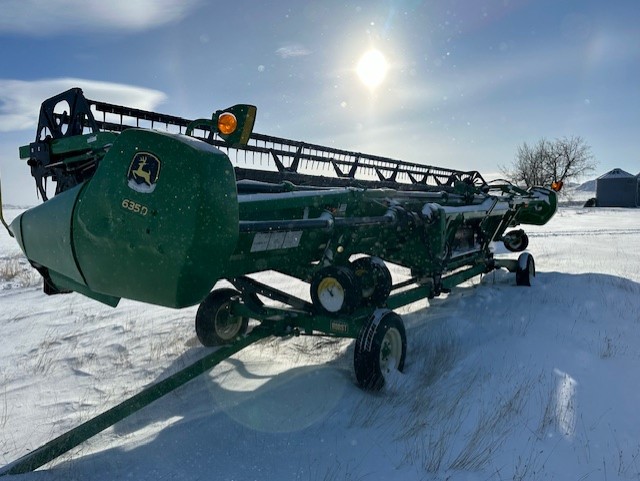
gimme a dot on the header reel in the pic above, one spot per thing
(70, 141)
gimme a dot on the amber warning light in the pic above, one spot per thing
(557, 185)
(227, 123)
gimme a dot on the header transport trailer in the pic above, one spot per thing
(160, 215)
(150, 207)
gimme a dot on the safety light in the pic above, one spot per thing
(227, 123)
(234, 125)
(557, 185)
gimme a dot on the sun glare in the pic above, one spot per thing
(372, 68)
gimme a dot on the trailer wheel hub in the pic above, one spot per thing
(391, 350)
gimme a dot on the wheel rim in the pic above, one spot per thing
(367, 282)
(390, 350)
(374, 280)
(331, 294)
(227, 326)
(514, 242)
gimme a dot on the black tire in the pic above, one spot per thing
(526, 270)
(215, 325)
(516, 240)
(375, 280)
(380, 347)
(342, 285)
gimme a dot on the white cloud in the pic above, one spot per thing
(289, 51)
(20, 100)
(38, 18)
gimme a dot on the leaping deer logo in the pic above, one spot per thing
(143, 172)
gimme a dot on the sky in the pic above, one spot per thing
(466, 82)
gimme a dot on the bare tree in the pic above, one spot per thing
(547, 162)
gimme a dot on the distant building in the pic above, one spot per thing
(618, 188)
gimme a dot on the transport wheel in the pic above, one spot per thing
(215, 324)
(516, 240)
(380, 348)
(375, 280)
(526, 270)
(335, 290)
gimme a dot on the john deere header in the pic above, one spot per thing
(158, 208)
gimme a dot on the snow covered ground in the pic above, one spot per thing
(501, 382)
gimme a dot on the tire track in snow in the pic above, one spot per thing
(579, 233)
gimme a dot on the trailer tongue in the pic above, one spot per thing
(158, 209)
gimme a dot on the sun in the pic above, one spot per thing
(372, 68)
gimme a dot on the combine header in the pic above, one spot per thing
(158, 208)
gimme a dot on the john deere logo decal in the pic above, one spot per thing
(143, 172)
